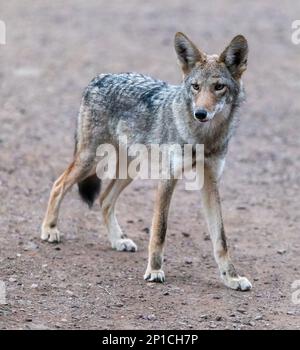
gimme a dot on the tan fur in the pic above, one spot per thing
(75, 172)
(108, 201)
(206, 99)
(158, 229)
(213, 214)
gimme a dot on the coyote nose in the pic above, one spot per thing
(201, 114)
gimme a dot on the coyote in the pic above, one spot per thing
(201, 110)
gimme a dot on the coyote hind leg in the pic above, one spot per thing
(76, 171)
(108, 201)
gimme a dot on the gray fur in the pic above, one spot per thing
(149, 111)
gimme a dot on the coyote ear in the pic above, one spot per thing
(235, 56)
(187, 52)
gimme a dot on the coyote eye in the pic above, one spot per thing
(196, 87)
(219, 87)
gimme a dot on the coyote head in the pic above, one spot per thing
(212, 82)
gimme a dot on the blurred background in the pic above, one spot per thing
(53, 49)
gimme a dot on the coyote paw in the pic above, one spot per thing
(155, 276)
(124, 245)
(50, 234)
(238, 283)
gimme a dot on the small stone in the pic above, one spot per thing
(33, 286)
(188, 261)
(119, 305)
(252, 323)
(12, 279)
(241, 208)
(206, 237)
(281, 251)
(242, 311)
(166, 293)
(146, 230)
(218, 318)
(204, 317)
(30, 246)
(236, 320)
(258, 317)
(151, 317)
(291, 313)
(185, 234)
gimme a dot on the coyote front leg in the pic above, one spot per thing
(212, 209)
(154, 272)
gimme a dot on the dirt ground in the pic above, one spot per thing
(53, 49)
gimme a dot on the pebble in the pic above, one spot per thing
(242, 311)
(188, 261)
(241, 208)
(30, 246)
(205, 317)
(185, 234)
(151, 317)
(291, 313)
(206, 237)
(119, 305)
(146, 230)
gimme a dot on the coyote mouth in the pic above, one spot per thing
(203, 120)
